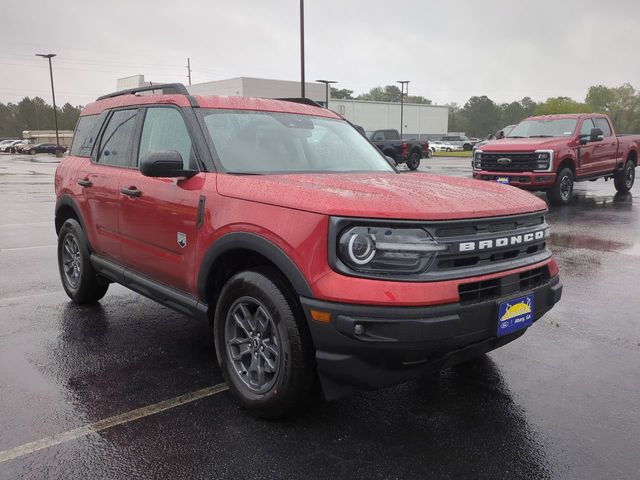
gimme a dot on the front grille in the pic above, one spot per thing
(499, 287)
(520, 162)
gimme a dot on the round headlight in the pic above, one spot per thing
(361, 248)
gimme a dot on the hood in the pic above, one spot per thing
(524, 144)
(410, 196)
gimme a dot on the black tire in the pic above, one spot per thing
(285, 387)
(467, 147)
(624, 179)
(81, 282)
(32, 152)
(562, 192)
(448, 149)
(413, 162)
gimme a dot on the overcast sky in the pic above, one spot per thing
(448, 50)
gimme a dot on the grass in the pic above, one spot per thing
(452, 154)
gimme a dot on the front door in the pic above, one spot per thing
(159, 216)
(585, 151)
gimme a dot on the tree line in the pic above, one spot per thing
(480, 115)
(35, 114)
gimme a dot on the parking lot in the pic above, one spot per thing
(80, 386)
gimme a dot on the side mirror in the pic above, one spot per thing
(596, 135)
(164, 164)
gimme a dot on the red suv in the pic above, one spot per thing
(311, 255)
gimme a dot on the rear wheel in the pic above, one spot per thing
(263, 350)
(448, 149)
(79, 279)
(414, 161)
(562, 192)
(32, 151)
(623, 179)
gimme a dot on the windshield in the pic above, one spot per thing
(557, 127)
(269, 142)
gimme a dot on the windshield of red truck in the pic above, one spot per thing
(557, 127)
(270, 142)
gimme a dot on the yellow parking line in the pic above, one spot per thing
(109, 422)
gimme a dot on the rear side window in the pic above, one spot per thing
(603, 124)
(85, 135)
(117, 140)
(164, 129)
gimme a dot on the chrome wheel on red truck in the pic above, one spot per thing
(562, 192)
(624, 179)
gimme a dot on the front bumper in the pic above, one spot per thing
(373, 346)
(525, 180)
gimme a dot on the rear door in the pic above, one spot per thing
(158, 223)
(606, 150)
(99, 179)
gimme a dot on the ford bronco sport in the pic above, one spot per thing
(313, 258)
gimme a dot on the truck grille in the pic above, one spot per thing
(500, 287)
(520, 162)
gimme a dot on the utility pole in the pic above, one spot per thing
(49, 56)
(302, 81)
(189, 69)
(326, 90)
(402, 84)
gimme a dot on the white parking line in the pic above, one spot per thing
(106, 423)
(11, 249)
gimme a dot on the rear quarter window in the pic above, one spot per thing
(85, 135)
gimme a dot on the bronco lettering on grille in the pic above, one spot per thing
(501, 242)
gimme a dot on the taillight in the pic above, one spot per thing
(404, 149)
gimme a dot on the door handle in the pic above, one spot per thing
(132, 192)
(85, 182)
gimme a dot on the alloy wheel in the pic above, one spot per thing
(565, 188)
(630, 176)
(71, 261)
(253, 344)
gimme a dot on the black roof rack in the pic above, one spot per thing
(167, 89)
(304, 101)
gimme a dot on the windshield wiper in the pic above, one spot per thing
(514, 136)
(540, 136)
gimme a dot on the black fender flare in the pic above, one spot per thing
(258, 244)
(67, 201)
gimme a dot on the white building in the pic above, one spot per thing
(420, 121)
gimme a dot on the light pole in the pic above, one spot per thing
(49, 56)
(326, 90)
(402, 84)
(302, 92)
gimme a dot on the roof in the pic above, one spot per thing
(568, 115)
(215, 102)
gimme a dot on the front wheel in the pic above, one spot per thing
(623, 179)
(79, 279)
(263, 349)
(414, 161)
(32, 152)
(448, 149)
(562, 191)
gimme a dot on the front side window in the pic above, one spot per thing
(587, 125)
(270, 142)
(164, 129)
(117, 140)
(544, 127)
(603, 124)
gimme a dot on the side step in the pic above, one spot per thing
(167, 296)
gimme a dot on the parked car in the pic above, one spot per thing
(465, 142)
(5, 145)
(45, 148)
(9, 146)
(401, 151)
(439, 146)
(22, 147)
(499, 135)
(312, 257)
(550, 153)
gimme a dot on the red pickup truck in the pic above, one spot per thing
(310, 254)
(550, 153)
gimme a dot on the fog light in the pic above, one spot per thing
(359, 329)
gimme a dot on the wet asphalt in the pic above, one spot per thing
(561, 402)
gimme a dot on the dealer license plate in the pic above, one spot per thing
(515, 314)
(504, 180)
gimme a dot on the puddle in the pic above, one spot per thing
(592, 243)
